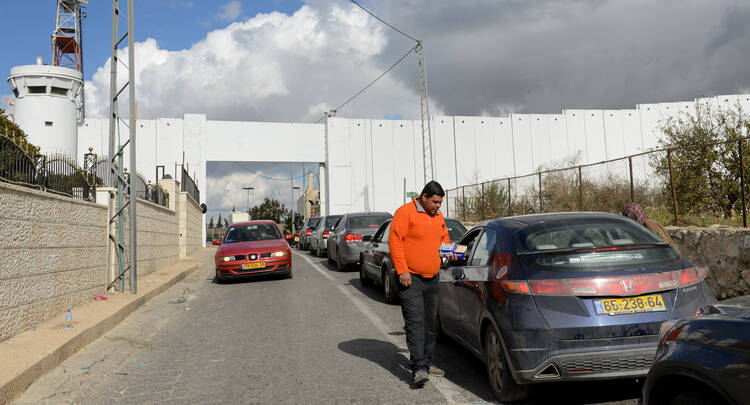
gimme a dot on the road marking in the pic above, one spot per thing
(450, 391)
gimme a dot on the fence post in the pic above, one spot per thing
(541, 208)
(742, 184)
(509, 205)
(40, 170)
(463, 193)
(89, 169)
(482, 197)
(580, 189)
(632, 190)
(674, 192)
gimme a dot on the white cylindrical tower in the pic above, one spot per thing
(46, 105)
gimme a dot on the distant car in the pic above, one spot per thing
(350, 234)
(564, 297)
(703, 359)
(319, 235)
(375, 259)
(253, 248)
(306, 232)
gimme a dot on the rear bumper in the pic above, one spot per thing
(349, 253)
(236, 271)
(593, 364)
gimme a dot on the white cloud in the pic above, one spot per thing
(230, 11)
(271, 67)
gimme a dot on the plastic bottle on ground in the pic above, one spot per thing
(68, 320)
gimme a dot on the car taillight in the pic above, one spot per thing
(550, 287)
(308, 233)
(665, 327)
(616, 286)
(325, 235)
(352, 237)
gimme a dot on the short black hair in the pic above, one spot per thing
(433, 188)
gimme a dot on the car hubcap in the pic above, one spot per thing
(495, 366)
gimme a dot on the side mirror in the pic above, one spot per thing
(458, 274)
(216, 242)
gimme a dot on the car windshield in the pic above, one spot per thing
(455, 229)
(591, 243)
(313, 222)
(250, 233)
(331, 221)
(367, 221)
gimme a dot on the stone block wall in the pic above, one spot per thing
(724, 251)
(156, 231)
(191, 223)
(52, 256)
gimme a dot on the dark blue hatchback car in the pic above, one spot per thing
(567, 296)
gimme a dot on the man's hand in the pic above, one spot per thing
(405, 279)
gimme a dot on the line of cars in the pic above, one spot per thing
(568, 297)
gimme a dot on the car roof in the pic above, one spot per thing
(363, 214)
(255, 222)
(533, 219)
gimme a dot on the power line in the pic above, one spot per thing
(372, 82)
(385, 22)
(266, 177)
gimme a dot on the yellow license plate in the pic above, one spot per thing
(296, 238)
(616, 306)
(250, 266)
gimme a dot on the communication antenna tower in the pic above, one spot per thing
(429, 171)
(67, 40)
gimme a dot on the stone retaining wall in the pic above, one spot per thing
(724, 251)
(52, 256)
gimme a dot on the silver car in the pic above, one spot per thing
(349, 236)
(319, 236)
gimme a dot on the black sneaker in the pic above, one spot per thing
(420, 378)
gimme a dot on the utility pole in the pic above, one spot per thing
(248, 198)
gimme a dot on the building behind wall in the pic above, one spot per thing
(309, 202)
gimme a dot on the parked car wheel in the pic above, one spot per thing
(363, 279)
(340, 266)
(390, 286)
(328, 255)
(498, 372)
(313, 252)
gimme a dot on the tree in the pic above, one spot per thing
(226, 223)
(16, 134)
(705, 159)
(211, 223)
(271, 209)
(219, 222)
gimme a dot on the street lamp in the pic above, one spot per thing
(293, 204)
(248, 198)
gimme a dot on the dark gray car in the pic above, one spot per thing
(306, 232)
(349, 236)
(319, 236)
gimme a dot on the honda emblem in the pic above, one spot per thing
(627, 285)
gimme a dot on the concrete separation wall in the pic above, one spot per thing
(52, 256)
(158, 244)
(726, 253)
(191, 225)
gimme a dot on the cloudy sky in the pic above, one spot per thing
(285, 60)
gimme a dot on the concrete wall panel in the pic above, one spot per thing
(596, 147)
(576, 129)
(613, 134)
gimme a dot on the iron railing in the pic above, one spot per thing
(673, 184)
(55, 173)
(188, 186)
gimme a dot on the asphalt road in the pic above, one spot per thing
(319, 338)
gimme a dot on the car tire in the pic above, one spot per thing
(390, 286)
(500, 378)
(289, 274)
(328, 255)
(312, 251)
(219, 280)
(363, 279)
(695, 398)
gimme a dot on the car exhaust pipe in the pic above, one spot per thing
(547, 373)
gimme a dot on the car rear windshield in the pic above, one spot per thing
(249, 233)
(455, 229)
(313, 222)
(331, 221)
(591, 244)
(367, 221)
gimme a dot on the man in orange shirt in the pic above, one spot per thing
(417, 231)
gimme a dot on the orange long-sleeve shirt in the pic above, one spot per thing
(415, 239)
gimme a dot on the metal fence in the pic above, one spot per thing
(688, 185)
(55, 173)
(188, 185)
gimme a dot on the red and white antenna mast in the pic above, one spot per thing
(67, 39)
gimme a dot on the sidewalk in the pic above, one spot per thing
(31, 354)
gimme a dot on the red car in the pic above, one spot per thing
(252, 248)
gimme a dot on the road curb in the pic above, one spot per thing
(14, 386)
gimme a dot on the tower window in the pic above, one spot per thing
(47, 123)
(37, 89)
(59, 91)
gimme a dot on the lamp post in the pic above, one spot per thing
(293, 204)
(248, 198)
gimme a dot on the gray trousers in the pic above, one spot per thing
(419, 307)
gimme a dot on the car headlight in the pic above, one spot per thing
(226, 258)
(278, 254)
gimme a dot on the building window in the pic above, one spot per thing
(37, 89)
(47, 123)
(59, 91)
(15, 92)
